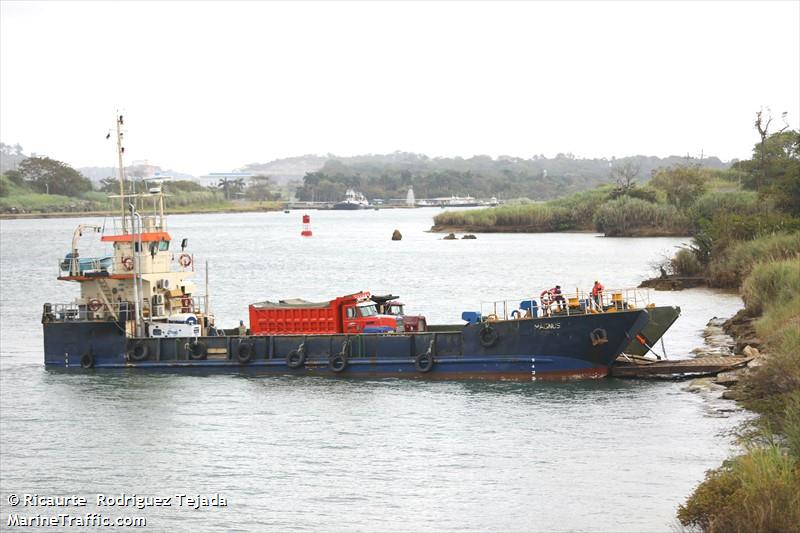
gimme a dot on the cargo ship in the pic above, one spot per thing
(139, 308)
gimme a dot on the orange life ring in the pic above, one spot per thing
(185, 260)
(127, 262)
(95, 304)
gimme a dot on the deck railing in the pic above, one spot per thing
(567, 303)
(120, 311)
(75, 312)
(107, 265)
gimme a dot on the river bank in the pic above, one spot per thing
(637, 232)
(189, 210)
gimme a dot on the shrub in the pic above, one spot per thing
(734, 264)
(682, 184)
(726, 228)
(710, 205)
(631, 216)
(685, 263)
(534, 217)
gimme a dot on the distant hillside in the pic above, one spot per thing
(96, 174)
(390, 175)
(288, 169)
(540, 178)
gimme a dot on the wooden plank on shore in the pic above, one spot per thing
(701, 365)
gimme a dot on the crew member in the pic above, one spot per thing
(556, 295)
(597, 294)
(242, 328)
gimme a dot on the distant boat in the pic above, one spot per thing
(459, 201)
(451, 201)
(352, 200)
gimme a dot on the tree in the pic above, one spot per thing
(259, 188)
(624, 175)
(230, 187)
(53, 177)
(762, 125)
(783, 170)
(681, 183)
(774, 170)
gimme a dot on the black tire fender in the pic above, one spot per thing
(337, 362)
(139, 352)
(87, 360)
(244, 352)
(197, 351)
(424, 362)
(296, 358)
(488, 336)
(598, 336)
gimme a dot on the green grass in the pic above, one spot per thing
(532, 217)
(632, 216)
(757, 491)
(19, 199)
(735, 262)
(771, 284)
(584, 211)
(760, 489)
(573, 213)
(46, 203)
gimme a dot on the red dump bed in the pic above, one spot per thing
(295, 316)
(354, 313)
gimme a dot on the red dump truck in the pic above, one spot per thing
(354, 313)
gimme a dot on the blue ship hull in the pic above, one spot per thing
(555, 348)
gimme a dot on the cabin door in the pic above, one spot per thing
(350, 319)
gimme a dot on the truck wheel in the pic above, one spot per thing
(424, 362)
(197, 350)
(296, 358)
(139, 352)
(245, 352)
(488, 336)
(337, 362)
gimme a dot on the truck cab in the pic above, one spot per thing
(363, 317)
(390, 305)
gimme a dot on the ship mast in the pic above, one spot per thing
(120, 151)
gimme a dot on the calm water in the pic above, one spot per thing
(386, 455)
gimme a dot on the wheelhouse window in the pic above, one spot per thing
(396, 310)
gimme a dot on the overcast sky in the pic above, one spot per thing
(208, 87)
